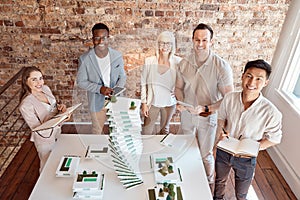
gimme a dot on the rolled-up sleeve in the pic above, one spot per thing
(273, 131)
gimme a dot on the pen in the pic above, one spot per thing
(87, 150)
(179, 175)
(164, 137)
(240, 137)
(102, 181)
(225, 133)
(151, 161)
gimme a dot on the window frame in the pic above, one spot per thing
(290, 76)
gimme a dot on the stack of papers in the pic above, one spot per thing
(67, 166)
(89, 185)
(125, 142)
(176, 143)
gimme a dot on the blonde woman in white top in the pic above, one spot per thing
(158, 83)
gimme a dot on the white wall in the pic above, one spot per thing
(287, 154)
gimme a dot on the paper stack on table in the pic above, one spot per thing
(172, 141)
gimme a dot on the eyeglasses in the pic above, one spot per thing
(165, 44)
(104, 38)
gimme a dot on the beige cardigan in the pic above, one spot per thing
(148, 76)
(35, 113)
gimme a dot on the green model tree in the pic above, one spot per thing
(132, 105)
(113, 99)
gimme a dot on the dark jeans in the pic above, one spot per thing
(243, 174)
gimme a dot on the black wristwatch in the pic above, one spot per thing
(206, 108)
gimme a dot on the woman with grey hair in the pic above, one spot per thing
(158, 83)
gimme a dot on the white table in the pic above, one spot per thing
(194, 185)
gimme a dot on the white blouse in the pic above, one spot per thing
(162, 89)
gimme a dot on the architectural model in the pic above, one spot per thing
(96, 151)
(89, 185)
(125, 141)
(165, 170)
(165, 191)
(67, 166)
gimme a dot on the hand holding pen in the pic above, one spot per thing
(61, 107)
(225, 134)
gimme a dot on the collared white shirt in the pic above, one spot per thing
(261, 120)
(200, 84)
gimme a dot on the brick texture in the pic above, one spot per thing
(53, 34)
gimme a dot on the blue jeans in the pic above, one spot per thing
(243, 174)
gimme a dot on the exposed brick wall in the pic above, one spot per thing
(52, 34)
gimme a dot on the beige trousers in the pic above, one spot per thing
(44, 145)
(98, 120)
(166, 114)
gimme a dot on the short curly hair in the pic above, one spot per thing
(100, 26)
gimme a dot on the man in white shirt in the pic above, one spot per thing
(203, 78)
(100, 69)
(246, 114)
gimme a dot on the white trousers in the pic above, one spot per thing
(205, 127)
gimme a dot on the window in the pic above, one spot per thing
(290, 85)
(296, 91)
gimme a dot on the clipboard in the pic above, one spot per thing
(118, 90)
(57, 119)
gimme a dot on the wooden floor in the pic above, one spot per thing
(21, 175)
